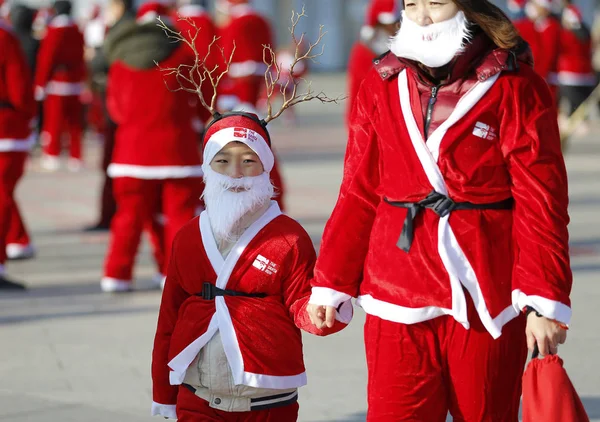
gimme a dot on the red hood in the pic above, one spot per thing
(482, 57)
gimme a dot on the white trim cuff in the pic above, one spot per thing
(551, 309)
(324, 296)
(17, 145)
(168, 411)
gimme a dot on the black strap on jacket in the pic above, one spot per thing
(210, 291)
(5, 104)
(442, 206)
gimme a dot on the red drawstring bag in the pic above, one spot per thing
(548, 394)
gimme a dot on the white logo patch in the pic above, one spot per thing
(485, 131)
(263, 264)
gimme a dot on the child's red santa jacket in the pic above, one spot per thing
(493, 135)
(156, 136)
(61, 68)
(575, 60)
(17, 106)
(261, 336)
(248, 31)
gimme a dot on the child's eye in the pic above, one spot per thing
(249, 160)
(222, 161)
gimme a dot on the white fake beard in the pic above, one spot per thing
(227, 208)
(433, 45)
(380, 42)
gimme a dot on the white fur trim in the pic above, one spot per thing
(61, 21)
(274, 382)
(19, 251)
(191, 11)
(549, 308)
(210, 244)
(458, 267)
(252, 139)
(168, 411)
(64, 89)
(148, 17)
(39, 93)
(247, 68)
(576, 79)
(114, 285)
(324, 296)
(154, 172)
(387, 18)
(14, 145)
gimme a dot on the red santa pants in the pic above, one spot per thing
(138, 203)
(12, 165)
(419, 372)
(191, 408)
(62, 114)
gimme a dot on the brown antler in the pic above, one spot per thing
(191, 77)
(273, 72)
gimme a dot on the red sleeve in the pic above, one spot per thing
(46, 58)
(531, 146)
(345, 243)
(17, 73)
(359, 66)
(296, 288)
(172, 298)
(114, 100)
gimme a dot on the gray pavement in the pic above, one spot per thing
(70, 353)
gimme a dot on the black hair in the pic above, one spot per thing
(62, 7)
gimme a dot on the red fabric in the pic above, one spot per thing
(60, 57)
(248, 32)
(154, 7)
(138, 203)
(379, 7)
(421, 371)
(191, 408)
(524, 249)
(206, 35)
(236, 121)
(17, 232)
(62, 115)
(267, 329)
(15, 89)
(359, 65)
(549, 395)
(544, 40)
(155, 125)
(575, 53)
(11, 170)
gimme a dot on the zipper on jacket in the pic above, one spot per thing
(432, 101)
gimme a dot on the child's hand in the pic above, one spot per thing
(321, 316)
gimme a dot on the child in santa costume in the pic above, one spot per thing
(228, 345)
(451, 220)
(156, 165)
(59, 82)
(382, 23)
(17, 109)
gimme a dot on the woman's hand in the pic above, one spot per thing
(547, 333)
(321, 316)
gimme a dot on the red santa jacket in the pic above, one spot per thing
(359, 65)
(493, 135)
(248, 31)
(156, 136)
(61, 68)
(17, 106)
(575, 59)
(189, 19)
(261, 336)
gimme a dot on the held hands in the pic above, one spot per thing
(321, 316)
(547, 333)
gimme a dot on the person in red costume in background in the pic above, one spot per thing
(156, 164)
(442, 228)
(17, 109)
(59, 81)
(576, 76)
(381, 24)
(248, 31)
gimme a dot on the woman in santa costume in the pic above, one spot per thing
(59, 82)
(17, 109)
(156, 165)
(382, 23)
(451, 223)
(228, 345)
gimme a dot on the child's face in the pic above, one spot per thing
(237, 160)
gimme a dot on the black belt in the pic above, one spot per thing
(5, 104)
(442, 206)
(262, 403)
(210, 291)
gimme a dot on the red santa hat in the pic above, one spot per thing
(572, 16)
(238, 127)
(150, 11)
(383, 12)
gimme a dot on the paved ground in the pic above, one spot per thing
(70, 353)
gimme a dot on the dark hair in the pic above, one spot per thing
(62, 7)
(492, 21)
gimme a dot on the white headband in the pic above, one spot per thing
(248, 137)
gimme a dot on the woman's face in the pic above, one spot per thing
(426, 12)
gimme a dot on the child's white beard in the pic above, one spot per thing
(227, 208)
(433, 45)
